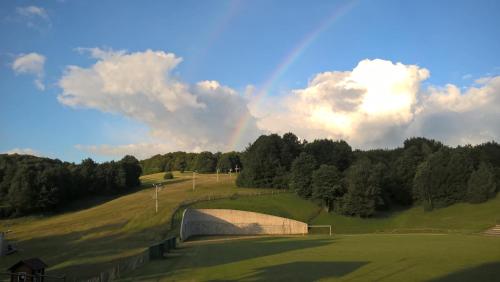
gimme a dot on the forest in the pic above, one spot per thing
(354, 182)
(30, 184)
(203, 162)
(360, 183)
(329, 172)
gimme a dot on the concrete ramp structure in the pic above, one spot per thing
(236, 222)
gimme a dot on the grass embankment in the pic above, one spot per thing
(462, 218)
(90, 240)
(370, 257)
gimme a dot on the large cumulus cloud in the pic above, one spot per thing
(377, 104)
(141, 86)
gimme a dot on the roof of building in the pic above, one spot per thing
(33, 263)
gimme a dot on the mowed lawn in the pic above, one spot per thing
(81, 243)
(361, 257)
(459, 218)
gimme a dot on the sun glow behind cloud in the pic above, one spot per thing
(377, 103)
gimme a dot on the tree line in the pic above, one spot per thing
(360, 183)
(30, 184)
(204, 162)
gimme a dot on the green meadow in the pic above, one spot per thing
(361, 257)
(459, 218)
(94, 236)
(399, 245)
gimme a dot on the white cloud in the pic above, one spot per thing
(32, 63)
(34, 16)
(361, 106)
(378, 104)
(460, 117)
(141, 86)
(24, 151)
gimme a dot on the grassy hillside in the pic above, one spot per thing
(464, 218)
(86, 241)
(370, 257)
(285, 205)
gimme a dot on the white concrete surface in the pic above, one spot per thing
(236, 222)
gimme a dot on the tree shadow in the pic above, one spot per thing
(210, 254)
(217, 253)
(83, 253)
(484, 272)
(95, 200)
(304, 271)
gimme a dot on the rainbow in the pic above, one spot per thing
(282, 67)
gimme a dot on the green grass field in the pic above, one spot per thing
(86, 241)
(93, 236)
(367, 257)
(461, 218)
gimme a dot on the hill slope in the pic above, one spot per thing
(463, 218)
(87, 241)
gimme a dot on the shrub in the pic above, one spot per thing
(168, 175)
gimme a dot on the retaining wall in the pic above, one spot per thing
(236, 222)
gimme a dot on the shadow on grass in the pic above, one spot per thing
(484, 272)
(212, 254)
(95, 200)
(304, 271)
(85, 253)
(192, 256)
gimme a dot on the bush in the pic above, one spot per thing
(168, 175)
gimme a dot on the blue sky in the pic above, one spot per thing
(240, 45)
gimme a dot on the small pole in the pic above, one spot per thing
(217, 175)
(194, 181)
(156, 196)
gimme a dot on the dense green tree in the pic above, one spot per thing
(205, 162)
(180, 162)
(291, 148)
(191, 161)
(327, 185)
(301, 175)
(262, 162)
(229, 160)
(481, 185)
(326, 151)
(23, 193)
(131, 171)
(442, 179)
(363, 190)
(32, 184)
(154, 164)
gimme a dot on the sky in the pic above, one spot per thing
(103, 79)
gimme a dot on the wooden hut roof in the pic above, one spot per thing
(33, 263)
